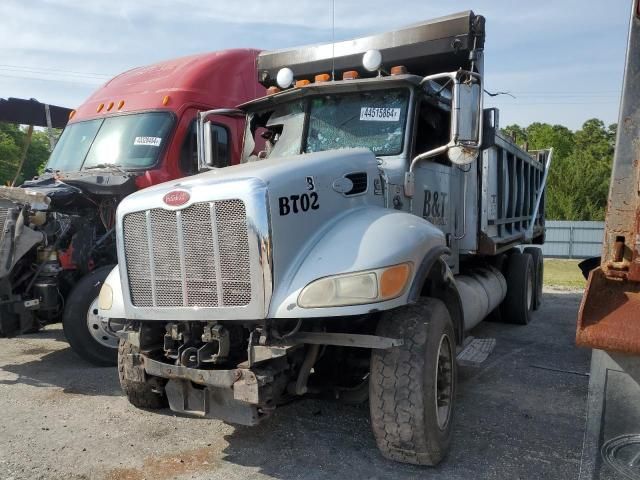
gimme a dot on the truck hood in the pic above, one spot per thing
(297, 200)
(340, 162)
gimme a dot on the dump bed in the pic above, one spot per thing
(504, 198)
(438, 45)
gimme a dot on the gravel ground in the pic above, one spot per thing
(520, 415)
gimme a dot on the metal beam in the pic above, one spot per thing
(344, 340)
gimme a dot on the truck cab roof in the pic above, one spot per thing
(338, 86)
(194, 79)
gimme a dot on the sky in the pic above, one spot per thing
(562, 59)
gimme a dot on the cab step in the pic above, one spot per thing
(475, 351)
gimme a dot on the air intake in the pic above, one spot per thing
(359, 181)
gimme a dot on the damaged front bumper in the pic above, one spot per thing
(240, 395)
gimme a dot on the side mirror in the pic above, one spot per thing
(207, 140)
(466, 118)
(466, 122)
(210, 145)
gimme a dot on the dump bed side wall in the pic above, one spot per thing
(501, 196)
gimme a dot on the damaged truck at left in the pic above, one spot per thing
(57, 241)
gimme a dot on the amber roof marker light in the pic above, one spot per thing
(399, 70)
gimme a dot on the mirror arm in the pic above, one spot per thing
(409, 185)
(408, 176)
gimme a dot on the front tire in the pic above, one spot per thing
(146, 394)
(412, 387)
(86, 332)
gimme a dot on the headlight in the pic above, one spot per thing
(356, 288)
(105, 299)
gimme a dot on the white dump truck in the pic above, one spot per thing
(376, 217)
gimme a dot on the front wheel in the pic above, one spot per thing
(412, 387)
(146, 391)
(90, 335)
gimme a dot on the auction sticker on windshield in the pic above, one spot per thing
(152, 141)
(380, 114)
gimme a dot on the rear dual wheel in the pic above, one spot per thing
(521, 291)
(538, 273)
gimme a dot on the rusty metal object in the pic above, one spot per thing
(609, 315)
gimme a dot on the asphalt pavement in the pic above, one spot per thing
(520, 414)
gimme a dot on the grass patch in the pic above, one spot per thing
(563, 273)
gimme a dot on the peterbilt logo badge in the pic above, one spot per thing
(176, 198)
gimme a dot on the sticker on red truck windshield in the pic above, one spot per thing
(150, 141)
(380, 114)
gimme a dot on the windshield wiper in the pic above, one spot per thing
(107, 166)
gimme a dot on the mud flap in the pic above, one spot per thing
(609, 315)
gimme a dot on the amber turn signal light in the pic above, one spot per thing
(393, 280)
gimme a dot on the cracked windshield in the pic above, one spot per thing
(374, 120)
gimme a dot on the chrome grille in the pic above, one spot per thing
(198, 256)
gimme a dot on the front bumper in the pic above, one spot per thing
(229, 395)
(240, 395)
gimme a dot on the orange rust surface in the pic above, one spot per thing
(609, 315)
(169, 466)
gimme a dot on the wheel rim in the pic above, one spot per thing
(444, 382)
(529, 291)
(99, 327)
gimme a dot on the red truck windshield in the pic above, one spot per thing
(128, 141)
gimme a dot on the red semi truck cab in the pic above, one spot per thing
(57, 240)
(143, 119)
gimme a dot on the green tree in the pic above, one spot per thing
(12, 140)
(516, 133)
(578, 181)
(587, 172)
(10, 151)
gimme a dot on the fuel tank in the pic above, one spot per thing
(481, 291)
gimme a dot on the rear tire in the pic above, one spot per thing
(538, 274)
(412, 386)
(146, 394)
(81, 325)
(518, 303)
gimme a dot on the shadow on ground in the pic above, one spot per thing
(519, 415)
(50, 365)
